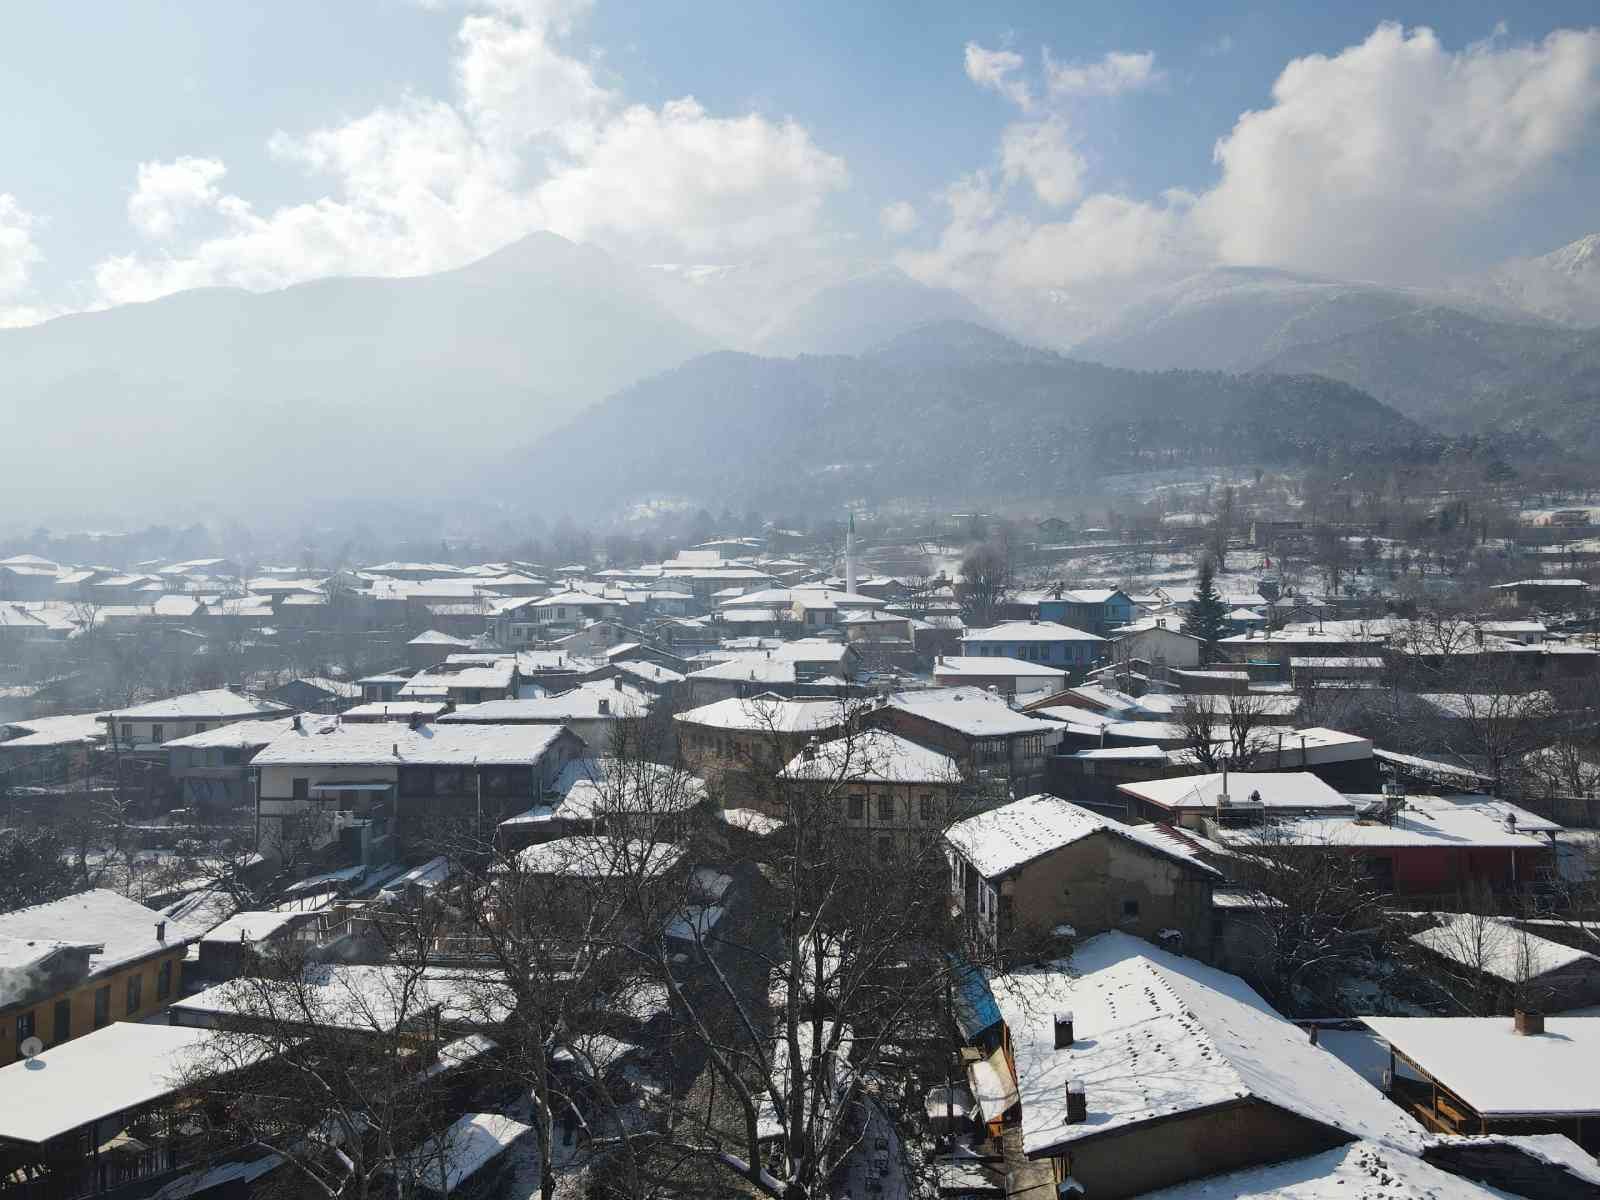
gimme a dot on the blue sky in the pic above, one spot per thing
(811, 118)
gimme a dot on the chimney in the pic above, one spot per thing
(298, 725)
(1529, 1022)
(809, 751)
(616, 683)
(416, 720)
(1077, 1102)
(161, 932)
(1064, 1029)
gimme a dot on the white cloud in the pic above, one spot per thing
(18, 250)
(1042, 153)
(1382, 159)
(1119, 71)
(532, 139)
(997, 70)
(899, 217)
(167, 193)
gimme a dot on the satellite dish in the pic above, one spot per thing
(31, 1047)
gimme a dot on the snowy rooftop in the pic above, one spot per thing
(590, 786)
(244, 735)
(1160, 1035)
(1499, 1072)
(763, 713)
(1361, 1170)
(214, 705)
(586, 702)
(875, 756)
(1015, 834)
(978, 664)
(971, 711)
(599, 857)
(250, 927)
(372, 998)
(125, 930)
(1424, 821)
(392, 743)
(1274, 789)
(469, 1145)
(1031, 631)
(1496, 947)
(41, 732)
(102, 1073)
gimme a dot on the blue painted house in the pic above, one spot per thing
(1097, 610)
(1047, 642)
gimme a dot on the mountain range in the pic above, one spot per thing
(239, 402)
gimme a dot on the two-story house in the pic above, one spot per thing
(74, 965)
(1046, 642)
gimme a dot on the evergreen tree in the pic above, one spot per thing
(1207, 618)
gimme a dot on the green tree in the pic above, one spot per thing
(1207, 618)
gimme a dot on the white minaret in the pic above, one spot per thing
(850, 557)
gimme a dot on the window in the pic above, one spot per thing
(127, 734)
(858, 806)
(1007, 918)
(302, 788)
(102, 1006)
(24, 1027)
(63, 1022)
(158, 733)
(885, 848)
(135, 993)
(925, 803)
(164, 980)
(885, 808)
(1130, 908)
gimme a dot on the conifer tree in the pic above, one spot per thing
(1207, 618)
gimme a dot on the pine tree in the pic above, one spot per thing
(1207, 618)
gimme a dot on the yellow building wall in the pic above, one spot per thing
(81, 998)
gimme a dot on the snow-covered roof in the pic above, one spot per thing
(1008, 837)
(1274, 789)
(592, 786)
(599, 857)
(250, 927)
(874, 756)
(375, 998)
(126, 931)
(1159, 1035)
(245, 735)
(41, 732)
(389, 743)
(769, 713)
(1031, 631)
(119, 1067)
(1360, 1170)
(586, 702)
(981, 665)
(460, 1152)
(432, 637)
(750, 820)
(971, 711)
(1495, 946)
(1424, 821)
(1500, 1072)
(218, 704)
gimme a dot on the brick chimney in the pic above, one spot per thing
(161, 932)
(1063, 1029)
(1077, 1102)
(1529, 1022)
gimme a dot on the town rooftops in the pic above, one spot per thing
(1013, 835)
(124, 931)
(873, 756)
(1030, 631)
(1499, 1072)
(245, 735)
(387, 743)
(1291, 790)
(970, 711)
(1159, 1035)
(774, 714)
(218, 704)
(109, 1071)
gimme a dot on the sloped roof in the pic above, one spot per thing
(1159, 1035)
(213, 705)
(1015, 834)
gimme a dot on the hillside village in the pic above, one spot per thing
(1215, 850)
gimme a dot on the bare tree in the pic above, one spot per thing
(1225, 731)
(985, 579)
